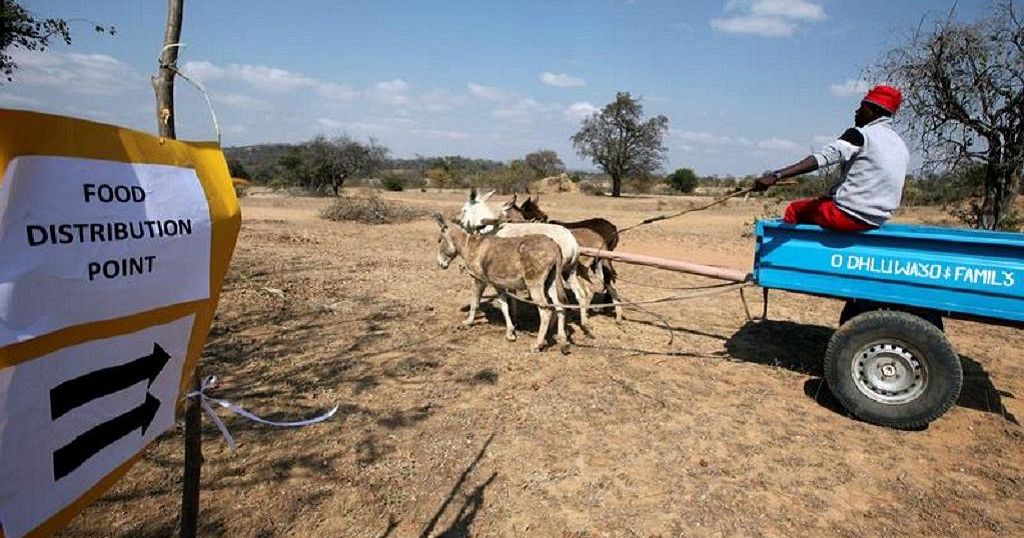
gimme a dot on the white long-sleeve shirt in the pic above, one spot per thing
(874, 162)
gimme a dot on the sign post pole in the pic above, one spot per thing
(163, 85)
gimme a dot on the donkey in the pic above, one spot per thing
(596, 233)
(533, 263)
(476, 215)
(609, 232)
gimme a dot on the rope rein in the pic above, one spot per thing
(741, 192)
(193, 81)
(688, 210)
(726, 288)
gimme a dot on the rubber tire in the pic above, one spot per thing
(855, 308)
(945, 375)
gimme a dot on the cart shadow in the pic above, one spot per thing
(783, 344)
(979, 393)
(800, 348)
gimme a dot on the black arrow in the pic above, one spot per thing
(83, 389)
(72, 455)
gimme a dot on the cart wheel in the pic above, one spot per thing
(893, 368)
(856, 308)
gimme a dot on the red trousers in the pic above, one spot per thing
(823, 212)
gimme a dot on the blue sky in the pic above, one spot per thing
(746, 84)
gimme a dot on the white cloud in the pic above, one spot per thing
(240, 101)
(91, 74)
(702, 138)
(258, 76)
(823, 139)
(848, 88)
(768, 18)
(203, 70)
(780, 145)
(393, 86)
(271, 78)
(788, 9)
(580, 111)
(391, 126)
(393, 92)
(561, 80)
(523, 110)
(762, 26)
(489, 93)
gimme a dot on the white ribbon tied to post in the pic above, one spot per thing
(210, 382)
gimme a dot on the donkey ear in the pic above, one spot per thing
(439, 219)
(472, 194)
(513, 200)
(487, 196)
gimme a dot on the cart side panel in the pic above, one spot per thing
(967, 272)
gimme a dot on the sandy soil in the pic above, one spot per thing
(685, 420)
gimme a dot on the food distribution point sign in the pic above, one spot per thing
(113, 248)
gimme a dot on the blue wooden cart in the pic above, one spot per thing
(890, 362)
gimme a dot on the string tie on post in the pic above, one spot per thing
(210, 383)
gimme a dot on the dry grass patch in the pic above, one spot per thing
(370, 209)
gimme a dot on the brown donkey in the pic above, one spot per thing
(532, 263)
(596, 233)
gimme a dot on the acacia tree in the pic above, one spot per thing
(620, 142)
(21, 29)
(544, 163)
(330, 162)
(963, 89)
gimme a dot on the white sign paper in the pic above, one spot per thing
(69, 418)
(85, 240)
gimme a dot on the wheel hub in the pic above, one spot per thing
(889, 373)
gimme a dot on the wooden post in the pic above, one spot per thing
(163, 81)
(193, 463)
(720, 273)
(163, 86)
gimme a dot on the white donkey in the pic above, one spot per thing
(477, 216)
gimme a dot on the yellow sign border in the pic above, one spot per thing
(32, 133)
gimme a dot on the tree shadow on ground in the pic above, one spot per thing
(801, 348)
(287, 359)
(467, 513)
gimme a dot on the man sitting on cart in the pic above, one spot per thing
(873, 161)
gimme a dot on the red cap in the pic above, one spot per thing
(886, 97)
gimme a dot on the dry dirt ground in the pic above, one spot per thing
(685, 420)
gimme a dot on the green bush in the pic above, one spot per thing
(394, 183)
(683, 180)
